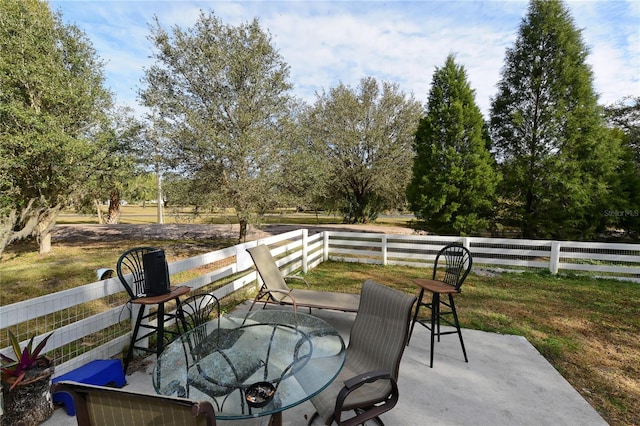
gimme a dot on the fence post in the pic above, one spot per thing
(554, 259)
(384, 249)
(325, 245)
(466, 242)
(305, 250)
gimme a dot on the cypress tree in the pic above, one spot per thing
(453, 178)
(548, 131)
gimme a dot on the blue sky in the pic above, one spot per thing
(328, 42)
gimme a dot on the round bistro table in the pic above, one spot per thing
(297, 354)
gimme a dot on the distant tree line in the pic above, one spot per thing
(224, 131)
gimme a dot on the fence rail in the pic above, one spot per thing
(93, 321)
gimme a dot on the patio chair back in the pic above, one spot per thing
(131, 262)
(379, 332)
(197, 309)
(367, 383)
(452, 265)
(271, 275)
(104, 406)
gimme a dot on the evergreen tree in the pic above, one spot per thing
(548, 132)
(624, 207)
(453, 180)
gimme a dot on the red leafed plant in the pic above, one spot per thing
(25, 360)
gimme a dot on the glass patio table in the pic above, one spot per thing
(253, 363)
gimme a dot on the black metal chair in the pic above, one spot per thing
(450, 269)
(130, 269)
(197, 311)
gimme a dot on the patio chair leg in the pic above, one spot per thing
(377, 420)
(132, 344)
(312, 418)
(160, 331)
(438, 333)
(415, 315)
(435, 316)
(455, 318)
(180, 316)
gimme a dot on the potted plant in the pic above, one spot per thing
(26, 382)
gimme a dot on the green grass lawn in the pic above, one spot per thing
(137, 214)
(587, 328)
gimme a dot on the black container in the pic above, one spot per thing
(259, 394)
(156, 273)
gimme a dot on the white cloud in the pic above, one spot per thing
(342, 41)
(325, 50)
(611, 30)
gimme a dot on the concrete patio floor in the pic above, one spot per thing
(505, 382)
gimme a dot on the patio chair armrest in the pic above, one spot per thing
(368, 377)
(264, 291)
(296, 278)
(287, 293)
(354, 383)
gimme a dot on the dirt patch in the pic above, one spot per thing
(97, 233)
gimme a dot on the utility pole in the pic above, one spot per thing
(159, 197)
(155, 140)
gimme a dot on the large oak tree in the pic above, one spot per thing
(51, 98)
(222, 94)
(363, 137)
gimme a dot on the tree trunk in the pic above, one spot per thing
(159, 193)
(6, 229)
(113, 215)
(96, 203)
(9, 232)
(45, 226)
(243, 229)
(45, 243)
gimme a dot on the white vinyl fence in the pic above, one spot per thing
(93, 321)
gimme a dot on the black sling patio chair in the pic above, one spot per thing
(204, 331)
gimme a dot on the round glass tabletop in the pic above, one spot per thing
(252, 363)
